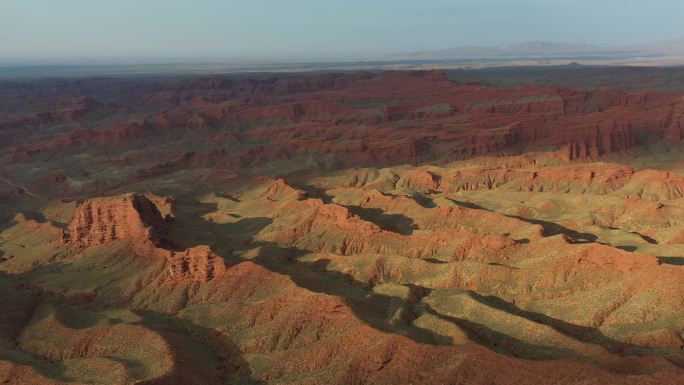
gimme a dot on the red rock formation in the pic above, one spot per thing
(388, 118)
(402, 279)
(591, 178)
(137, 218)
(103, 220)
(654, 185)
(195, 264)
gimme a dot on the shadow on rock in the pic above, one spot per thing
(550, 228)
(678, 261)
(396, 223)
(196, 347)
(191, 228)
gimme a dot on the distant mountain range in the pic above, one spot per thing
(549, 50)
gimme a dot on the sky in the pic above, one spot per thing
(81, 31)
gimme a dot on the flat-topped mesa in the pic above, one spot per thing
(103, 220)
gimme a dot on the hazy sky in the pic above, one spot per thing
(62, 30)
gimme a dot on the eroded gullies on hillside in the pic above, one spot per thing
(104, 135)
(361, 273)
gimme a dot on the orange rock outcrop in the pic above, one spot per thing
(99, 221)
(136, 218)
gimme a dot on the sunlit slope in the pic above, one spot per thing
(498, 270)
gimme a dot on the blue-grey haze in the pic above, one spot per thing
(43, 31)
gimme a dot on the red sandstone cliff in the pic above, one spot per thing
(131, 217)
(136, 218)
(393, 117)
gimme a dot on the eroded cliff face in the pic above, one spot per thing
(132, 217)
(523, 269)
(387, 270)
(198, 263)
(137, 220)
(337, 120)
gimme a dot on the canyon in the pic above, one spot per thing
(340, 228)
